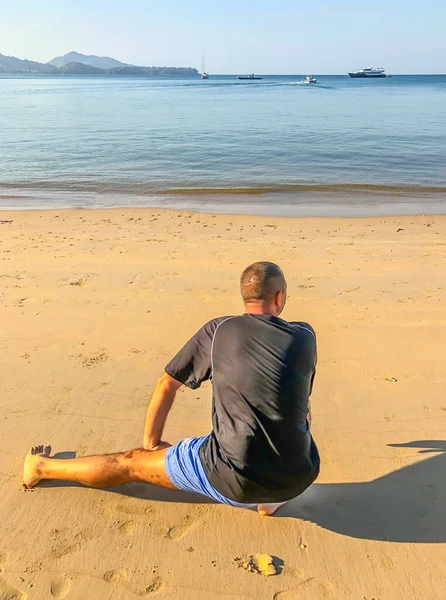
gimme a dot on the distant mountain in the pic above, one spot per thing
(75, 68)
(100, 62)
(11, 64)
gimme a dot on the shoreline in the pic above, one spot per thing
(7, 214)
(364, 203)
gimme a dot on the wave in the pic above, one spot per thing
(223, 84)
(145, 189)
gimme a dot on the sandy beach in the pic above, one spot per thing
(95, 302)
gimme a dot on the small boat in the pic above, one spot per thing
(204, 75)
(309, 79)
(250, 77)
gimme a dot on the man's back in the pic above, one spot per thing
(262, 370)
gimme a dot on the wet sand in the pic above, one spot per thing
(93, 305)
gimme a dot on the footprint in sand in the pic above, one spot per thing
(154, 586)
(144, 516)
(128, 509)
(63, 545)
(309, 589)
(60, 586)
(178, 531)
(294, 572)
(115, 577)
(62, 548)
(8, 592)
(126, 528)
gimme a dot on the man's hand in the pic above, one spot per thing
(157, 411)
(160, 446)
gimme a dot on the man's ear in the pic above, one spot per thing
(280, 301)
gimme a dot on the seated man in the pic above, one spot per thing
(260, 451)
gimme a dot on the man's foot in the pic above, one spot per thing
(266, 510)
(33, 461)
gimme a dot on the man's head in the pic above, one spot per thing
(263, 288)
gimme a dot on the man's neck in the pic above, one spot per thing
(259, 309)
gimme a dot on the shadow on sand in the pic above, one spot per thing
(407, 505)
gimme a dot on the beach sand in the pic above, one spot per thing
(93, 305)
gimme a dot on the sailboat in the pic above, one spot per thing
(204, 75)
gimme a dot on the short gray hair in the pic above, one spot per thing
(261, 281)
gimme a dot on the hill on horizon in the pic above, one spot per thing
(86, 65)
(11, 64)
(75, 68)
(99, 62)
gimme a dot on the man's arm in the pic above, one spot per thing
(312, 380)
(190, 367)
(157, 411)
(309, 400)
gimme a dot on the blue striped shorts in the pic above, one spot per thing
(185, 471)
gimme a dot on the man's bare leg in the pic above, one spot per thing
(106, 470)
(97, 471)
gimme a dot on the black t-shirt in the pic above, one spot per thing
(262, 370)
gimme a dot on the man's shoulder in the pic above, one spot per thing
(302, 326)
(211, 326)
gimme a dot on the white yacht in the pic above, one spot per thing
(369, 72)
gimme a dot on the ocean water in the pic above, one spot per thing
(342, 146)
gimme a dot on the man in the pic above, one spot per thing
(260, 451)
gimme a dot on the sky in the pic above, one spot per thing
(261, 36)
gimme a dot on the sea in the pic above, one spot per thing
(341, 147)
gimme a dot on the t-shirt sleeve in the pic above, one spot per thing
(311, 350)
(192, 365)
(314, 355)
